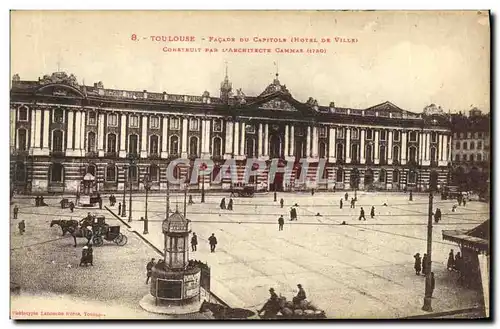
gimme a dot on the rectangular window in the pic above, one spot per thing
(457, 145)
(340, 132)
(91, 121)
(369, 134)
(194, 124)
(382, 135)
(469, 135)
(134, 121)
(397, 135)
(113, 120)
(354, 134)
(23, 114)
(479, 145)
(174, 123)
(322, 131)
(154, 122)
(250, 129)
(461, 135)
(480, 135)
(217, 125)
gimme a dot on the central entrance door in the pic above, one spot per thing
(277, 184)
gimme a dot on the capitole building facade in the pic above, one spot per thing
(60, 130)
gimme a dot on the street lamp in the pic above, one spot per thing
(203, 167)
(126, 177)
(428, 291)
(132, 163)
(147, 186)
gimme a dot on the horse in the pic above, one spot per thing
(65, 224)
(221, 312)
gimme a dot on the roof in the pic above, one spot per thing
(477, 238)
(177, 223)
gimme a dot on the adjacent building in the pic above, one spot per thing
(61, 130)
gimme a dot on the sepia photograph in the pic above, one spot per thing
(249, 165)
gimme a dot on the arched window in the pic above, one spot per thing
(457, 157)
(193, 146)
(154, 173)
(58, 116)
(174, 145)
(56, 172)
(217, 147)
(464, 145)
(250, 147)
(457, 145)
(395, 176)
(340, 151)
(355, 152)
(433, 154)
(412, 177)
(340, 175)
(369, 153)
(91, 141)
(382, 176)
(132, 173)
(153, 144)
(472, 145)
(479, 157)
(111, 173)
(322, 150)
(133, 144)
(383, 156)
(20, 172)
(395, 153)
(413, 154)
(57, 141)
(22, 138)
(471, 157)
(464, 157)
(91, 169)
(111, 143)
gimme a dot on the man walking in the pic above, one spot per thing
(275, 196)
(372, 212)
(425, 265)
(194, 242)
(212, 240)
(281, 222)
(119, 209)
(15, 211)
(362, 214)
(346, 196)
(71, 206)
(22, 227)
(282, 202)
(341, 203)
(149, 269)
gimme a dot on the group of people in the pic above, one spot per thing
(87, 255)
(112, 200)
(229, 204)
(40, 202)
(212, 241)
(424, 265)
(455, 263)
(272, 305)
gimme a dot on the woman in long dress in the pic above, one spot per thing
(451, 261)
(418, 263)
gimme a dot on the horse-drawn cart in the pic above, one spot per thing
(244, 191)
(109, 233)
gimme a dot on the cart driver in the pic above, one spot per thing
(271, 307)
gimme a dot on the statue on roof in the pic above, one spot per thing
(433, 110)
(240, 96)
(312, 102)
(205, 94)
(100, 85)
(16, 78)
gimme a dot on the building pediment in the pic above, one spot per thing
(59, 90)
(278, 104)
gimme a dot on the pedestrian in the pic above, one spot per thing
(100, 203)
(463, 201)
(353, 203)
(372, 212)
(437, 215)
(85, 255)
(454, 208)
(190, 200)
(282, 202)
(37, 201)
(223, 203)
(194, 242)
(275, 196)
(22, 227)
(119, 209)
(450, 265)
(341, 203)
(334, 188)
(15, 211)
(71, 206)
(418, 263)
(312, 192)
(362, 214)
(212, 240)
(90, 255)
(433, 283)
(230, 204)
(425, 265)
(346, 196)
(411, 196)
(294, 213)
(111, 200)
(301, 295)
(281, 222)
(458, 262)
(149, 269)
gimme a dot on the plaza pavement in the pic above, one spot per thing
(360, 270)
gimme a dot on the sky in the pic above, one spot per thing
(411, 59)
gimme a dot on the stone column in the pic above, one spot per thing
(83, 133)
(445, 148)
(71, 131)
(362, 150)
(206, 138)
(78, 134)
(100, 135)
(260, 146)
(440, 148)
(229, 139)
(348, 145)
(184, 142)
(376, 150)
(242, 141)
(123, 136)
(203, 138)
(286, 151)
(236, 143)
(13, 138)
(164, 138)
(46, 129)
(389, 148)
(427, 147)
(403, 147)
(331, 144)
(33, 131)
(144, 137)
(315, 142)
(292, 141)
(266, 140)
(308, 142)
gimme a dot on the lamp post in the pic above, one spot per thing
(147, 185)
(132, 163)
(126, 177)
(428, 290)
(203, 167)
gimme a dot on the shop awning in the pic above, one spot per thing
(477, 238)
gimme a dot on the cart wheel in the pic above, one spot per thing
(98, 241)
(121, 240)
